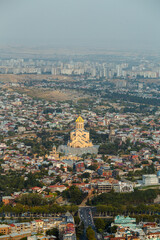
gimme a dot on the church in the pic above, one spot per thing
(79, 142)
(79, 138)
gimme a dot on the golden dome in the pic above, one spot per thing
(79, 119)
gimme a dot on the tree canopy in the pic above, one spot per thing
(74, 195)
(90, 234)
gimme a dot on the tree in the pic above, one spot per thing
(69, 169)
(32, 199)
(93, 167)
(100, 224)
(109, 148)
(85, 175)
(113, 229)
(76, 220)
(74, 195)
(79, 230)
(120, 199)
(90, 234)
(58, 179)
(54, 232)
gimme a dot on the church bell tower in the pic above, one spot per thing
(80, 123)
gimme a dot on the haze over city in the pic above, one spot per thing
(79, 120)
(108, 24)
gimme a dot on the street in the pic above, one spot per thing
(86, 217)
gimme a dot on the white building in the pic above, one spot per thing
(123, 187)
(150, 179)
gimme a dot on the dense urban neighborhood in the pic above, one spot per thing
(79, 149)
(79, 120)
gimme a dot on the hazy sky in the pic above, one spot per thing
(115, 24)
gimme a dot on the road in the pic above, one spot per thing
(86, 217)
(89, 196)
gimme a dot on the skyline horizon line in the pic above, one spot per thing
(53, 47)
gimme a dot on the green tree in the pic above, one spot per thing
(74, 195)
(76, 220)
(32, 199)
(79, 230)
(85, 175)
(113, 229)
(54, 232)
(100, 224)
(90, 234)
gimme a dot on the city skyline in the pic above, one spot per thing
(79, 120)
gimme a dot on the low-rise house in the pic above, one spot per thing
(7, 200)
(54, 188)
